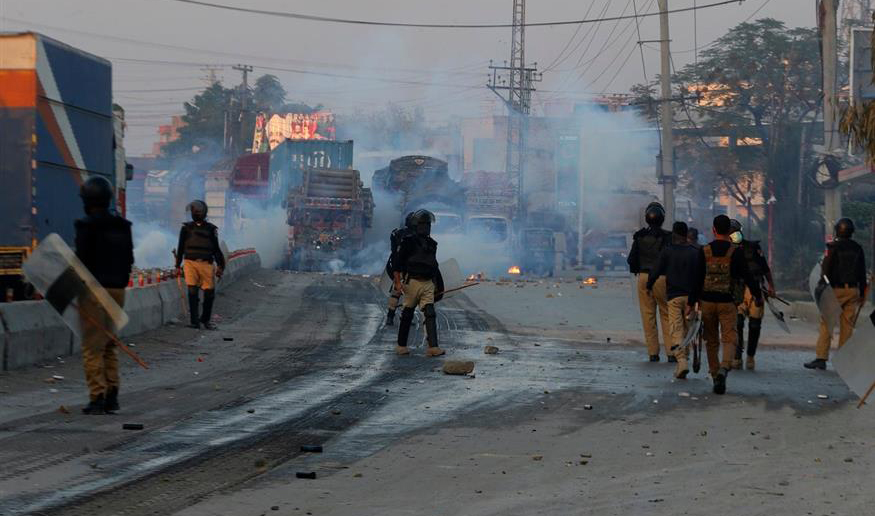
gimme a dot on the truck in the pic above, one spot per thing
(610, 220)
(423, 182)
(56, 131)
(491, 203)
(328, 213)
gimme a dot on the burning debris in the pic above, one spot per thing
(590, 281)
(515, 270)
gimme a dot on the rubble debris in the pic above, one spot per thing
(251, 411)
(822, 397)
(684, 394)
(132, 426)
(309, 475)
(537, 457)
(458, 367)
(57, 377)
(357, 475)
(311, 448)
(587, 407)
(228, 339)
(849, 459)
(63, 409)
(336, 412)
(260, 463)
(490, 350)
(275, 508)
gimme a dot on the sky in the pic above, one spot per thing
(160, 49)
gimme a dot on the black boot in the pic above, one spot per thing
(431, 332)
(111, 404)
(672, 359)
(390, 318)
(654, 358)
(739, 330)
(209, 299)
(817, 363)
(753, 336)
(95, 407)
(404, 330)
(193, 310)
(720, 381)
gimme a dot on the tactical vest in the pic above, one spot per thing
(199, 242)
(752, 257)
(649, 247)
(718, 271)
(843, 264)
(422, 263)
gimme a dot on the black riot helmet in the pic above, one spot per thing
(198, 210)
(844, 228)
(408, 220)
(422, 221)
(96, 193)
(654, 215)
(734, 225)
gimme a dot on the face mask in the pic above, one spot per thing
(736, 237)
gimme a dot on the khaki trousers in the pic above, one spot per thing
(749, 307)
(849, 299)
(677, 323)
(99, 353)
(417, 293)
(649, 304)
(718, 322)
(198, 273)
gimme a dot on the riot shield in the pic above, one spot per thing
(386, 283)
(779, 315)
(452, 275)
(56, 273)
(855, 361)
(824, 297)
(693, 329)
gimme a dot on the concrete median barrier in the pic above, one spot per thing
(31, 332)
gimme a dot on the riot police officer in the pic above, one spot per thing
(845, 267)
(104, 245)
(198, 248)
(647, 245)
(418, 276)
(748, 309)
(395, 239)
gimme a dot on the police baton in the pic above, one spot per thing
(466, 285)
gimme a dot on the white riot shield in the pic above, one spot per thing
(386, 283)
(779, 315)
(855, 361)
(824, 297)
(693, 330)
(452, 275)
(56, 273)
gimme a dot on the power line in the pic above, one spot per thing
(310, 17)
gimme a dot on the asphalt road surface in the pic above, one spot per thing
(561, 421)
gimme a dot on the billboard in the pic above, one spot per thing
(272, 131)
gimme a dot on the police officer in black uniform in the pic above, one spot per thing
(418, 276)
(104, 245)
(395, 239)
(198, 248)
(647, 245)
(845, 267)
(762, 274)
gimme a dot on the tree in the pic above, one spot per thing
(269, 94)
(204, 123)
(753, 93)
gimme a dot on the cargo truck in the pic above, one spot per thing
(422, 182)
(56, 130)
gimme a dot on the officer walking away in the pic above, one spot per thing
(418, 276)
(395, 239)
(678, 264)
(647, 244)
(198, 248)
(722, 275)
(104, 245)
(845, 267)
(748, 309)
(693, 237)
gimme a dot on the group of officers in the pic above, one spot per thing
(104, 244)
(727, 282)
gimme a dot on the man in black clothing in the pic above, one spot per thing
(678, 263)
(395, 239)
(104, 245)
(693, 237)
(719, 286)
(845, 267)
(198, 248)
(759, 268)
(418, 276)
(647, 244)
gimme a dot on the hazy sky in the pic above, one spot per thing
(359, 67)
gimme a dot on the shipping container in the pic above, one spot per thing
(288, 159)
(56, 130)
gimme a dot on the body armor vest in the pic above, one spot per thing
(718, 274)
(844, 263)
(422, 263)
(649, 247)
(199, 242)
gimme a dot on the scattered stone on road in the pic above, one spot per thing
(490, 350)
(458, 367)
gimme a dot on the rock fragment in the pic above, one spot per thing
(458, 367)
(490, 350)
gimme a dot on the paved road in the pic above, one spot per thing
(305, 359)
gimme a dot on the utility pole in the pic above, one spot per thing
(832, 207)
(244, 95)
(666, 154)
(516, 79)
(211, 76)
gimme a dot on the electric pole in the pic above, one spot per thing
(832, 206)
(666, 153)
(244, 96)
(513, 84)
